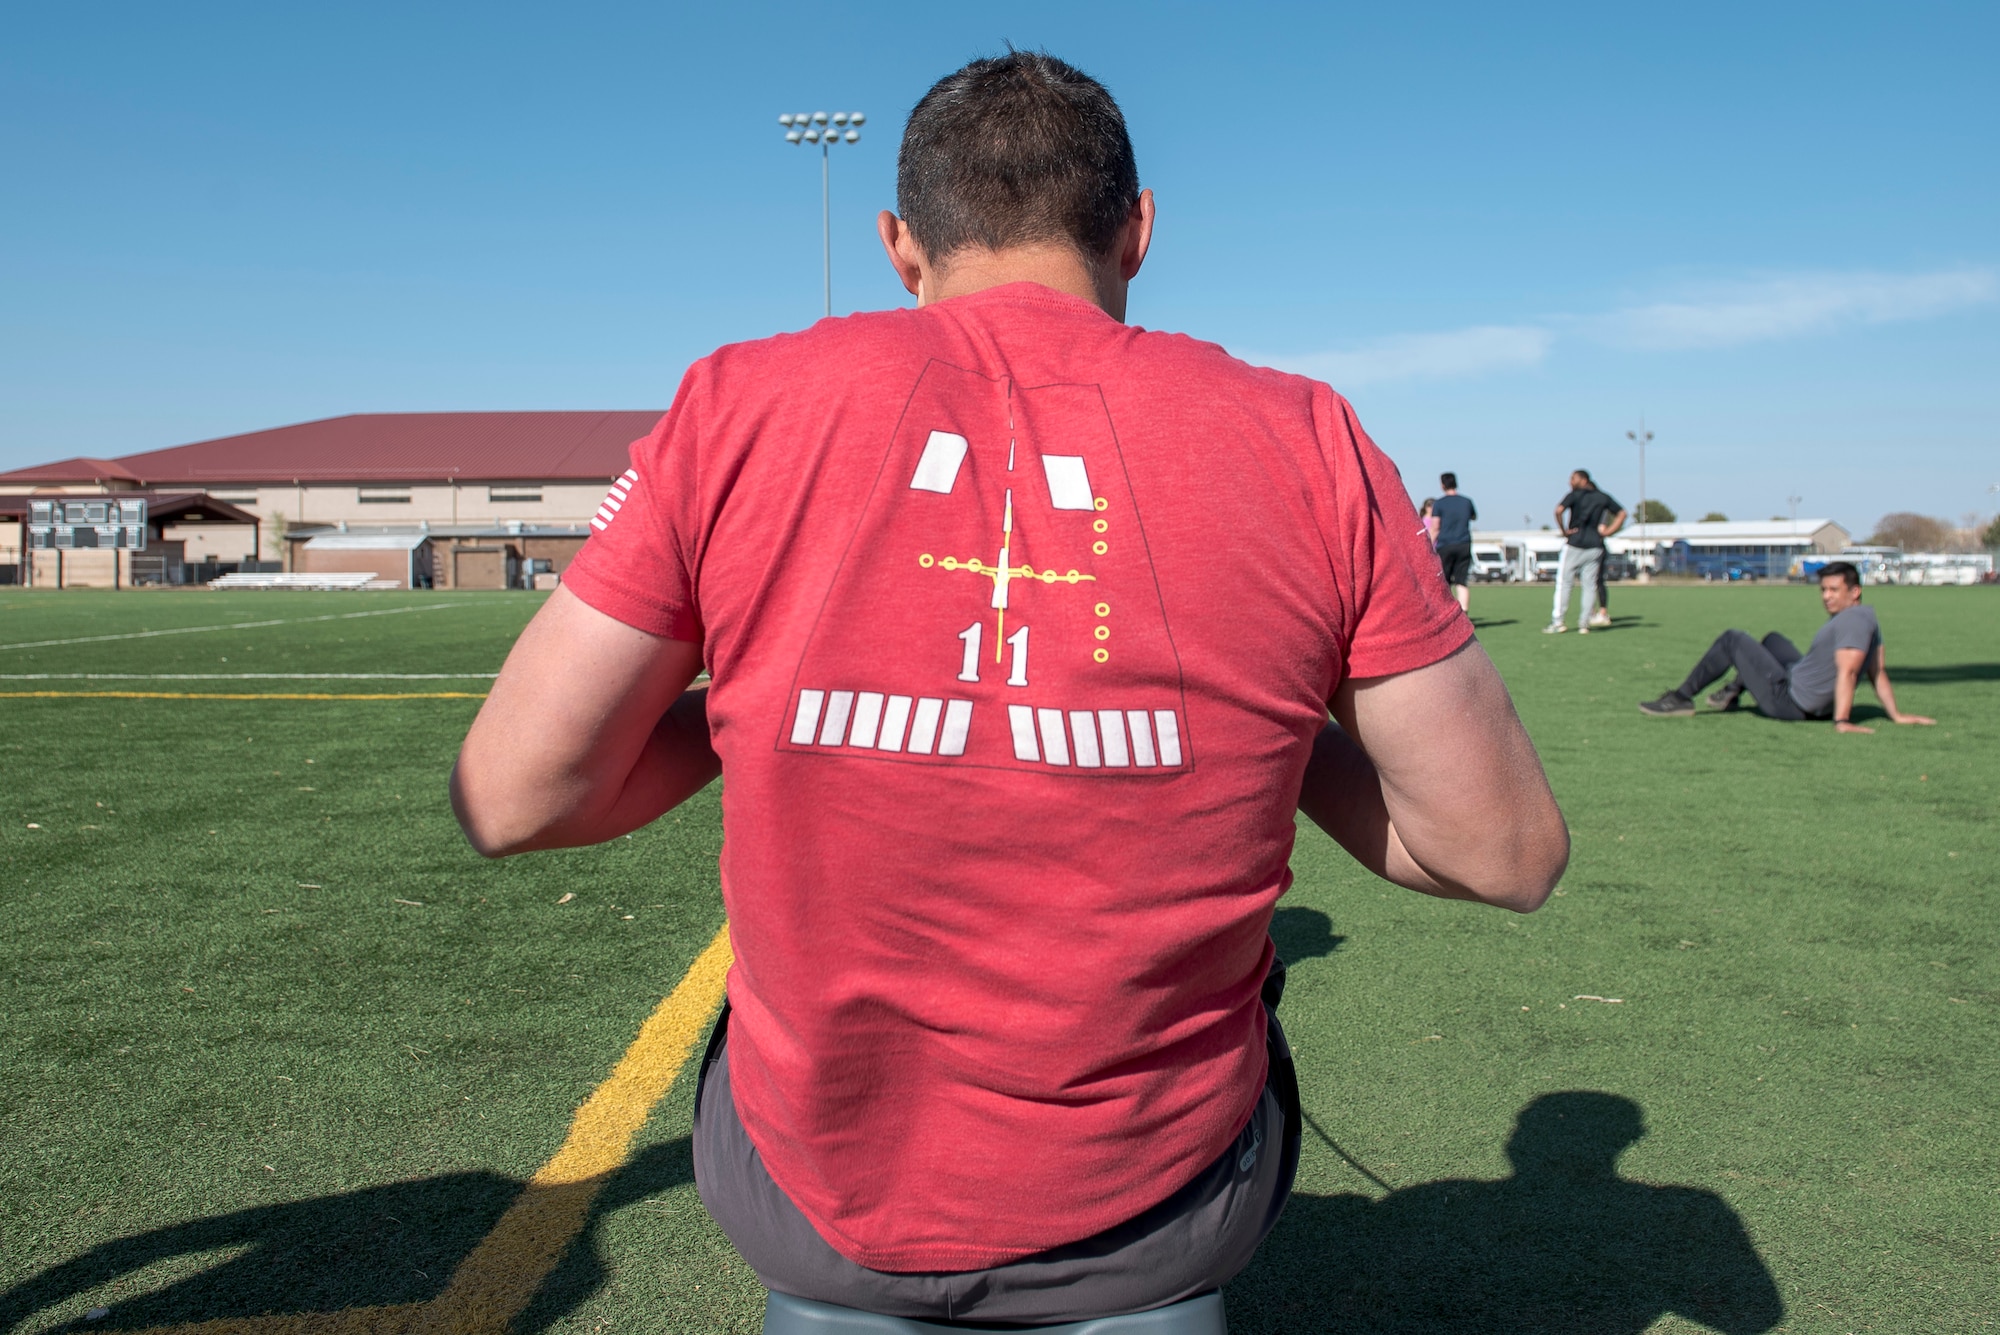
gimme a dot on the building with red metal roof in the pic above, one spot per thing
(500, 497)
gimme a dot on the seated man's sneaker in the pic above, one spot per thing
(1600, 618)
(1673, 702)
(1729, 697)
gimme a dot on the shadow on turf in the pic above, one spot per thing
(1564, 1245)
(1303, 934)
(1949, 672)
(379, 1246)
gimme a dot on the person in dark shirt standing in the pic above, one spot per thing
(1455, 514)
(1786, 684)
(1592, 516)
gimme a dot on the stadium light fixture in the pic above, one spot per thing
(817, 127)
(1641, 436)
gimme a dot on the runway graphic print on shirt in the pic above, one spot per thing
(997, 604)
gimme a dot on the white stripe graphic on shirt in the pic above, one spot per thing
(1087, 739)
(614, 500)
(872, 721)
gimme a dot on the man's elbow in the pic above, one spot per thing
(494, 826)
(1527, 878)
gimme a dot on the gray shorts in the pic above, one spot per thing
(1195, 1240)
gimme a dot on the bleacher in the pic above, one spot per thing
(325, 583)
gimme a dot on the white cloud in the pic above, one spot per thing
(1789, 306)
(1455, 352)
(1792, 306)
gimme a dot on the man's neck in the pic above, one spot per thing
(1057, 267)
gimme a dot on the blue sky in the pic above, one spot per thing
(1504, 232)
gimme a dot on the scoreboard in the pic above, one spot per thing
(71, 525)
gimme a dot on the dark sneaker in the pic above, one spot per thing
(1672, 703)
(1729, 697)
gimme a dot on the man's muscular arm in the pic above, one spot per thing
(1847, 665)
(589, 733)
(1428, 779)
(1878, 677)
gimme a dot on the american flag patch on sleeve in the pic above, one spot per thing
(614, 500)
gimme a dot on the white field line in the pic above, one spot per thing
(247, 676)
(234, 625)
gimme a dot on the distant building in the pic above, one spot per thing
(444, 500)
(1730, 548)
(1757, 549)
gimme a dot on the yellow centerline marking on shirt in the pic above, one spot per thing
(497, 1281)
(242, 695)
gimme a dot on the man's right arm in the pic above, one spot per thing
(1429, 780)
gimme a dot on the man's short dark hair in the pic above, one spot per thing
(1583, 473)
(1449, 481)
(1018, 149)
(1843, 571)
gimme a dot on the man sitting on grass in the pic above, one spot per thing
(1789, 685)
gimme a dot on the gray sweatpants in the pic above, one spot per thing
(1194, 1241)
(1579, 566)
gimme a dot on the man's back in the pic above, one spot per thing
(1455, 514)
(1021, 622)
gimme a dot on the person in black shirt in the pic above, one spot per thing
(1455, 514)
(1592, 517)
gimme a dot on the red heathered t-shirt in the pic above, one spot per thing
(1021, 622)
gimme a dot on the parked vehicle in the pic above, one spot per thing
(1489, 563)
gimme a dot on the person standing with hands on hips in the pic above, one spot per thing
(1593, 516)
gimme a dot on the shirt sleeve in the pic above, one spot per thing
(1855, 632)
(1399, 614)
(637, 565)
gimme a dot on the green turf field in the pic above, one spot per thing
(275, 1041)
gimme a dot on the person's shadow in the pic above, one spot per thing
(1565, 1246)
(378, 1246)
(1301, 933)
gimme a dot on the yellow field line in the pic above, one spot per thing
(241, 695)
(496, 1282)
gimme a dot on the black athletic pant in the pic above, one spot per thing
(1763, 667)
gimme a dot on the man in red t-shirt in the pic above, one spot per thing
(1024, 625)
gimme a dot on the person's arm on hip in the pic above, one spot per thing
(1617, 522)
(1429, 780)
(589, 733)
(1878, 677)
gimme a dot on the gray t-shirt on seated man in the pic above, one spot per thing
(1813, 677)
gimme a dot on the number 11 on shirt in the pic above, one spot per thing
(1018, 642)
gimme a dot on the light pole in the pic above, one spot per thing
(826, 131)
(1641, 436)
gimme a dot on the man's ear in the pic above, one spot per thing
(1137, 236)
(904, 255)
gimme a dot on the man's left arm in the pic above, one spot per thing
(1878, 677)
(1617, 522)
(589, 733)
